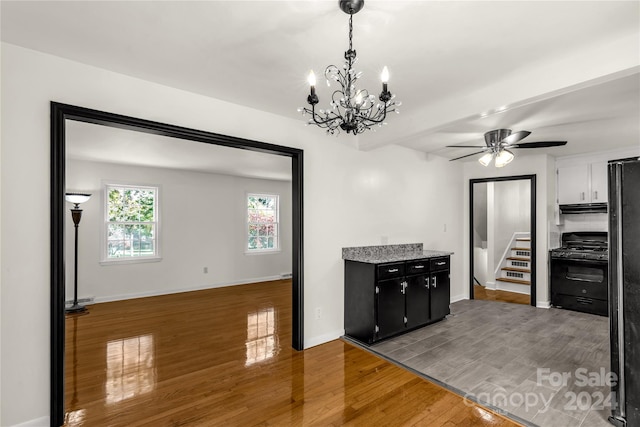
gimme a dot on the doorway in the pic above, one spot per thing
(60, 113)
(503, 239)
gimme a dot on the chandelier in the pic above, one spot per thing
(351, 110)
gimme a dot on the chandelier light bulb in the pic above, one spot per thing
(384, 76)
(312, 78)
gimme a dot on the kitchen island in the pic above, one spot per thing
(392, 289)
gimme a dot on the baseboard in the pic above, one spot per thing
(457, 298)
(38, 422)
(322, 339)
(155, 293)
(543, 304)
(490, 285)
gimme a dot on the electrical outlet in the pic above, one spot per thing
(205, 270)
(318, 312)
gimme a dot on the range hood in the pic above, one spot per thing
(583, 208)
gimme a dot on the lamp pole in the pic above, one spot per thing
(76, 215)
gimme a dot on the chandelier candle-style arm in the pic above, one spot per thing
(350, 110)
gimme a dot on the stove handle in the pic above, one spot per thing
(577, 279)
(592, 261)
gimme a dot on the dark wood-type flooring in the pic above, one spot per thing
(223, 357)
(505, 354)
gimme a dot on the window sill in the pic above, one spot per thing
(267, 252)
(141, 260)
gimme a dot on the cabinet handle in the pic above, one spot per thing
(417, 267)
(392, 270)
(596, 194)
(426, 279)
(582, 196)
(441, 263)
(404, 287)
(435, 283)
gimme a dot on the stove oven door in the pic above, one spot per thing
(581, 285)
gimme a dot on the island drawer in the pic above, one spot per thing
(420, 266)
(390, 271)
(438, 264)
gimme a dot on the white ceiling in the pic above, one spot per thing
(443, 57)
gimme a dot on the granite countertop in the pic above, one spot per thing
(390, 253)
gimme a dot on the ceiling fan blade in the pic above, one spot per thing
(515, 137)
(468, 155)
(540, 144)
(466, 146)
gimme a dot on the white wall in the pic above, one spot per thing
(351, 198)
(202, 224)
(543, 167)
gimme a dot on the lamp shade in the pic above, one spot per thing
(486, 159)
(77, 198)
(503, 157)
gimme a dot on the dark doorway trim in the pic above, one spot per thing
(62, 112)
(532, 227)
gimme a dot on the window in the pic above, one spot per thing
(131, 222)
(262, 223)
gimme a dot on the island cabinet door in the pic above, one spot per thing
(417, 297)
(390, 307)
(440, 294)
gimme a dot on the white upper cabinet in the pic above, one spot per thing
(573, 185)
(599, 182)
(585, 183)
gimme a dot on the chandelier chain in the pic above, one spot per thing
(350, 32)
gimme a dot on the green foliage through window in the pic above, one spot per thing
(131, 221)
(262, 211)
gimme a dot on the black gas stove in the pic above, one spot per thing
(579, 272)
(586, 245)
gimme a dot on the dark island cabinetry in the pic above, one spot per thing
(388, 298)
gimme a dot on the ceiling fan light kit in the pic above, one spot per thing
(350, 110)
(499, 142)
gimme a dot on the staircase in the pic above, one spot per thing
(514, 273)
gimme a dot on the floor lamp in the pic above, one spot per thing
(76, 215)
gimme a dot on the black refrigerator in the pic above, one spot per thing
(624, 289)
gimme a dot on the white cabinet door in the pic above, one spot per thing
(599, 182)
(573, 184)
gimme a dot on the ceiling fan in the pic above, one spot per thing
(499, 142)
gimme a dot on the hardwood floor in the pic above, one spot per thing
(480, 292)
(223, 357)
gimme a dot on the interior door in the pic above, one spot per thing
(390, 308)
(440, 294)
(417, 300)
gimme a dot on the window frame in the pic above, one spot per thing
(276, 247)
(105, 260)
